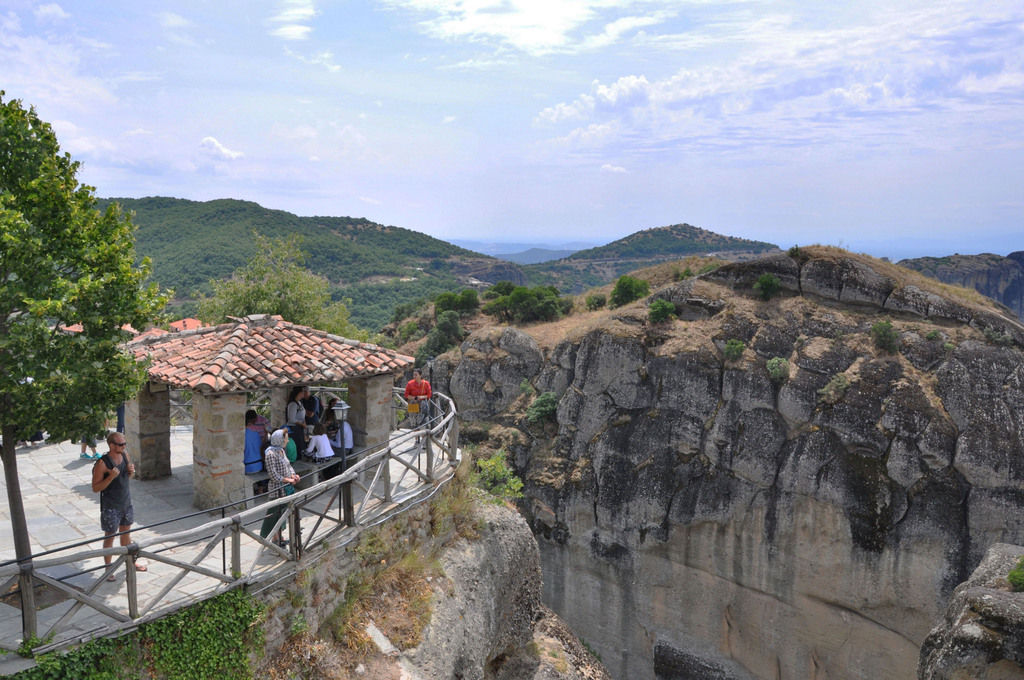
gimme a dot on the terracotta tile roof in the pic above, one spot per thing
(187, 324)
(261, 351)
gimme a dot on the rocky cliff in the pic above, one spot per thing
(704, 517)
(1000, 278)
(981, 636)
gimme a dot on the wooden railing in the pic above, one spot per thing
(385, 480)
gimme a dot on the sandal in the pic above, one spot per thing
(140, 567)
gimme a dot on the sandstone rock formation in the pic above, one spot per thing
(700, 518)
(981, 635)
(1000, 278)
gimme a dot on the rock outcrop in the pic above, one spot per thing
(1000, 278)
(700, 517)
(982, 634)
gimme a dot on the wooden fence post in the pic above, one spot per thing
(29, 622)
(236, 546)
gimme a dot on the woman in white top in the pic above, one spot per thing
(319, 445)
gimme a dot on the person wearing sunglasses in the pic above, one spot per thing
(110, 477)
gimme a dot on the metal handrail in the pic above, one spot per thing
(186, 550)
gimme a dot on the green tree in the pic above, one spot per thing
(767, 285)
(627, 289)
(275, 281)
(661, 310)
(62, 263)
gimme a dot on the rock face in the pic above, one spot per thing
(982, 634)
(704, 518)
(1000, 278)
(489, 270)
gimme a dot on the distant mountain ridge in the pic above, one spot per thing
(379, 267)
(597, 266)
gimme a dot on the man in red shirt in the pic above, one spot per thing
(417, 392)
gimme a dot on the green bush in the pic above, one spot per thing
(661, 310)
(499, 289)
(525, 387)
(543, 407)
(885, 336)
(948, 347)
(994, 337)
(1016, 576)
(496, 477)
(408, 331)
(835, 389)
(627, 289)
(778, 370)
(682, 275)
(596, 301)
(522, 304)
(733, 349)
(442, 337)
(767, 285)
(933, 335)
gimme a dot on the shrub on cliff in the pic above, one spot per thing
(543, 407)
(627, 289)
(733, 349)
(885, 336)
(442, 337)
(494, 476)
(778, 370)
(767, 285)
(835, 389)
(596, 301)
(522, 304)
(661, 310)
(1016, 576)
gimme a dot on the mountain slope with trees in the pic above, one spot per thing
(597, 266)
(192, 243)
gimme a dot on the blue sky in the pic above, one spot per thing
(892, 128)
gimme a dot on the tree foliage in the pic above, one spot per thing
(523, 305)
(62, 263)
(445, 334)
(275, 281)
(661, 310)
(627, 289)
(767, 285)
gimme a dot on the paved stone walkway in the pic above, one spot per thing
(61, 510)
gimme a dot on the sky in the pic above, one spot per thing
(892, 128)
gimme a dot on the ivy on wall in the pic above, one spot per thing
(212, 639)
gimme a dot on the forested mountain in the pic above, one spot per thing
(597, 266)
(377, 266)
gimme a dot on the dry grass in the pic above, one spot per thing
(905, 277)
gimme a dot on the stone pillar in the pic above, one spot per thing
(370, 409)
(147, 430)
(279, 406)
(218, 444)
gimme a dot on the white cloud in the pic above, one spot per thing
(323, 58)
(137, 131)
(172, 20)
(293, 19)
(536, 27)
(371, 201)
(901, 77)
(607, 167)
(50, 12)
(292, 32)
(448, 119)
(215, 148)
